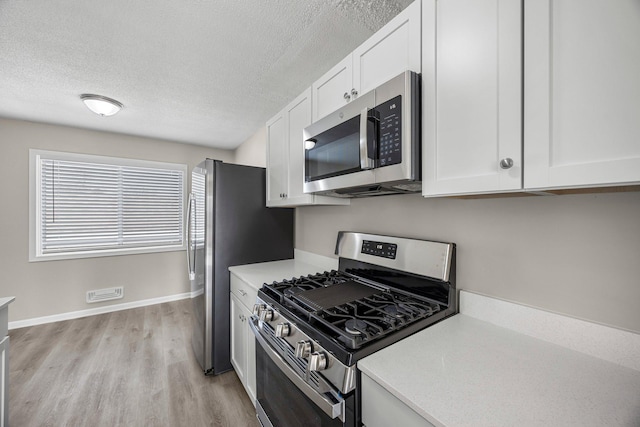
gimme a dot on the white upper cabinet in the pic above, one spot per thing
(285, 157)
(471, 96)
(581, 93)
(298, 115)
(333, 89)
(277, 159)
(390, 51)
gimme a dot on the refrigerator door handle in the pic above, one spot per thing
(192, 273)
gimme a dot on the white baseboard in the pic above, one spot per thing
(93, 311)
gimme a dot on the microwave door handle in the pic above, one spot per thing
(365, 161)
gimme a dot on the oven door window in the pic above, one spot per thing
(284, 404)
(336, 151)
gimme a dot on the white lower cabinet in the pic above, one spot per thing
(243, 344)
(382, 409)
(4, 382)
(4, 361)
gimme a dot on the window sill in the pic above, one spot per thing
(104, 253)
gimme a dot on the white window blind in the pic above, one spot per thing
(103, 206)
(197, 214)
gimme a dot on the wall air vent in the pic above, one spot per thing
(99, 295)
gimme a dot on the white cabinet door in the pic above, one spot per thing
(250, 384)
(582, 93)
(4, 382)
(472, 96)
(238, 338)
(285, 157)
(277, 160)
(243, 346)
(392, 50)
(380, 408)
(333, 89)
(298, 114)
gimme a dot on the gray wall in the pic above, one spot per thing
(577, 255)
(253, 152)
(54, 287)
(573, 254)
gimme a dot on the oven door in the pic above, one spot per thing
(284, 399)
(340, 149)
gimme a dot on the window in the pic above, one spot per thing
(84, 206)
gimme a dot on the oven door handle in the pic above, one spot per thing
(334, 410)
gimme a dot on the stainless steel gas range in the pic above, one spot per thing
(312, 330)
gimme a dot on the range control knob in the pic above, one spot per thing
(303, 348)
(266, 315)
(283, 330)
(257, 309)
(317, 361)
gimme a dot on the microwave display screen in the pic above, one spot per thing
(336, 151)
(390, 140)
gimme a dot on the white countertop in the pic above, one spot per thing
(265, 272)
(468, 372)
(6, 301)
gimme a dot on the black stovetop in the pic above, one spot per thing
(354, 316)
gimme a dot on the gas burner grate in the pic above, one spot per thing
(361, 321)
(352, 312)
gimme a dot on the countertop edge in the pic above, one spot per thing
(6, 301)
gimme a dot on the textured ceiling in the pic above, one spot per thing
(207, 72)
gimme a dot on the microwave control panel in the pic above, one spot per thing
(390, 132)
(381, 249)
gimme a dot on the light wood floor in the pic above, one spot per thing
(128, 368)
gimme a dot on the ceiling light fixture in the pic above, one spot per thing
(101, 105)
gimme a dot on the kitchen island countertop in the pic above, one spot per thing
(465, 371)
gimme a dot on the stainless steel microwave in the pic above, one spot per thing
(369, 147)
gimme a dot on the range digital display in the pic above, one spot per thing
(381, 249)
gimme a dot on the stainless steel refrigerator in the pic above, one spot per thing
(228, 224)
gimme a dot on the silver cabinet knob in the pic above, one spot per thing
(303, 348)
(317, 361)
(506, 163)
(257, 309)
(283, 330)
(346, 96)
(242, 292)
(354, 92)
(266, 315)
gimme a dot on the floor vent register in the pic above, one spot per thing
(99, 295)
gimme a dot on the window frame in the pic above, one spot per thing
(35, 216)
